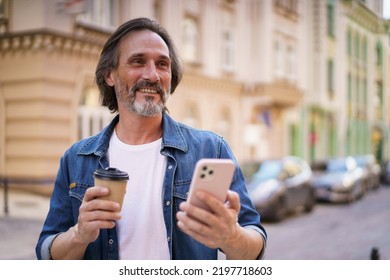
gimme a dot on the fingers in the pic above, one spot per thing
(191, 213)
(218, 208)
(92, 202)
(233, 200)
(94, 192)
(215, 228)
(199, 231)
(96, 214)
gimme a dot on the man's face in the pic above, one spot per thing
(142, 79)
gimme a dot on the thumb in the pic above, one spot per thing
(233, 200)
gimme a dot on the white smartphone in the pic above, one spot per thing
(213, 176)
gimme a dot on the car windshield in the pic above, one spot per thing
(268, 170)
(249, 169)
(337, 165)
(361, 161)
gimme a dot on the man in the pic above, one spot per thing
(137, 71)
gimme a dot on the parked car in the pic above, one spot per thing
(338, 180)
(279, 186)
(385, 173)
(371, 171)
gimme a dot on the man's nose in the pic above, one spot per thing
(150, 73)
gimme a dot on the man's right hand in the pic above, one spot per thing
(94, 214)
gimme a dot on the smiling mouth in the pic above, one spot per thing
(148, 91)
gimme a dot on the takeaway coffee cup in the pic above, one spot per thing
(113, 179)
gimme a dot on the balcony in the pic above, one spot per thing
(280, 94)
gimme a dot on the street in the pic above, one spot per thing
(341, 232)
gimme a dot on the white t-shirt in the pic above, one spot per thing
(141, 231)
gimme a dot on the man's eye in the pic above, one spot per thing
(163, 64)
(137, 61)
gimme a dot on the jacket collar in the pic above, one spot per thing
(172, 137)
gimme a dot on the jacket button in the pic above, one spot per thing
(110, 241)
(169, 238)
(168, 203)
(170, 167)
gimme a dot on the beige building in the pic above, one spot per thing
(255, 72)
(346, 104)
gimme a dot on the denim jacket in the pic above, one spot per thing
(183, 146)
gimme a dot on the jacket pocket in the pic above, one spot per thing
(180, 194)
(77, 190)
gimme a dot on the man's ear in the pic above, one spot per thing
(109, 78)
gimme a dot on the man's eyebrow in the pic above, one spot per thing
(141, 55)
(136, 55)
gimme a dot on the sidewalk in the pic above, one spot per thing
(19, 230)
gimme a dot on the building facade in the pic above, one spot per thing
(278, 77)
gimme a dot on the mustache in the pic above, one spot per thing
(145, 84)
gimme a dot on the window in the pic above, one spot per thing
(330, 78)
(102, 13)
(2, 9)
(227, 41)
(357, 46)
(349, 42)
(364, 99)
(190, 40)
(291, 64)
(3, 15)
(287, 6)
(365, 49)
(378, 54)
(330, 15)
(92, 117)
(192, 116)
(224, 125)
(279, 73)
(157, 10)
(349, 101)
(227, 50)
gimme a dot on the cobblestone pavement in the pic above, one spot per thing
(329, 232)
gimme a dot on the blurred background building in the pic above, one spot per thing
(275, 77)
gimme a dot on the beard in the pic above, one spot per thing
(146, 107)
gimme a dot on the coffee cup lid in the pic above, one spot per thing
(111, 173)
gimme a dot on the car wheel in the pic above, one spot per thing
(310, 202)
(351, 196)
(280, 210)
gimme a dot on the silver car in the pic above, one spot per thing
(371, 170)
(279, 186)
(341, 181)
